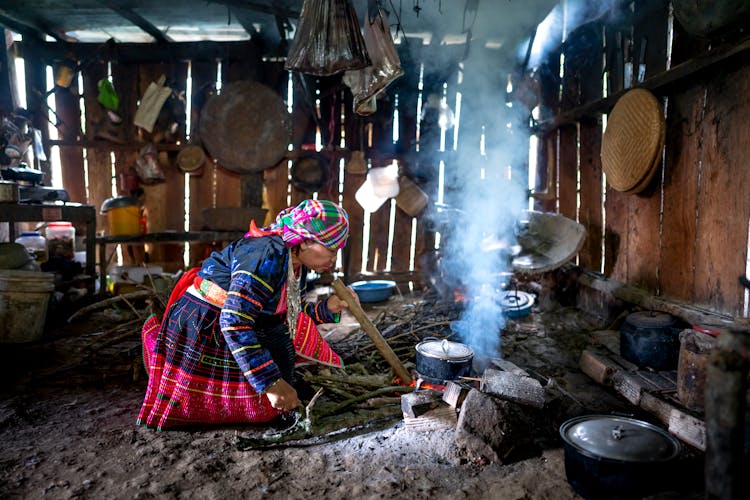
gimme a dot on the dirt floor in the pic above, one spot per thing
(69, 405)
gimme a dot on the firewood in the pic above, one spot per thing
(505, 385)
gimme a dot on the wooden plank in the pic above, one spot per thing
(98, 159)
(378, 248)
(401, 249)
(352, 254)
(683, 156)
(724, 205)
(590, 211)
(650, 36)
(599, 368)
(125, 81)
(203, 75)
(616, 235)
(568, 172)
(68, 109)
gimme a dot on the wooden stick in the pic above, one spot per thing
(345, 294)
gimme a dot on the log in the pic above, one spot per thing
(506, 385)
(398, 368)
(726, 377)
(598, 367)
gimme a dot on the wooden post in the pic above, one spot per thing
(725, 412)
(344, 294)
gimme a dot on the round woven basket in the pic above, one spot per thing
(633, 141)
(191, 158)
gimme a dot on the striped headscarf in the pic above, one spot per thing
(321, 221)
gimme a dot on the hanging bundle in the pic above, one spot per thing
(368, 82)
(328, 39)
(151, 103)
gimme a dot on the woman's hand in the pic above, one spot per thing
(336, 304)
(283, 396)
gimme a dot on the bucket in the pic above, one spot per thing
(123, 215)
(411, 199)
(24, 296)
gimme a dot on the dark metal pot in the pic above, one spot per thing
(441, 360)
(650, 339)
(617, 457)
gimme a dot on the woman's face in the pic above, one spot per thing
(317, 257)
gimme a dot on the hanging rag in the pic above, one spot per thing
(151, 103)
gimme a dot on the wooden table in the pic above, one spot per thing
(158, 237)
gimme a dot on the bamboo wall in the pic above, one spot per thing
(686, 236)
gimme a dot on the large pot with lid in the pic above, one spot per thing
(617, 457)
(442, 360)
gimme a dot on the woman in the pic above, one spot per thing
(223, 352)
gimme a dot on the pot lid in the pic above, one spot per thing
(516, 300)
(119, 202)
(619, 438)
(445, 349)
(650, 319)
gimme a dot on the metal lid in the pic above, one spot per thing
(445, 349)
(119, 202)
(619, 438)
(650, 319)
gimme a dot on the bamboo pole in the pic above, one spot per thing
(344, 294)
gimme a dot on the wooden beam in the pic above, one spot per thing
(659, 84)
(143, 52)
(138, 20)
(31, 28)
(258, 7)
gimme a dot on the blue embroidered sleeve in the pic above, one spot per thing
(256, 273)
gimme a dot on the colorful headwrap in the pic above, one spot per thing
(321, 221)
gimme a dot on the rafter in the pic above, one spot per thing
(258, 7)
(138, 20)
(30, 28)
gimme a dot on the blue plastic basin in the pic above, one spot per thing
(373, 291)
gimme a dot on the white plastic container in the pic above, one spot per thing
(61, 240)
(35, 244)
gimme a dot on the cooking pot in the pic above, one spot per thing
(442, 360)
(8, 192)
(650, 339)
(616, 457)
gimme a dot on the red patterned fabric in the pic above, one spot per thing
(200, 383)
(310, 346)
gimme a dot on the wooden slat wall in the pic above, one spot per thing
(685, 236)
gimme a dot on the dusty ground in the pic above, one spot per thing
(67, 429)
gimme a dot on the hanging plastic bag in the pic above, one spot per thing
(107, 96)
(328, 39)
(147, 165)
(368, 82)
(151, 103)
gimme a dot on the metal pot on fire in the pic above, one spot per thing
(617, 457)
(442, 360)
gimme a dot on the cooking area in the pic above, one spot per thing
(377, 249)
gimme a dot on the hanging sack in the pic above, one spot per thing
(107, 96)
(328, 39)
(147, 165)
(151, 103)
(368, 82)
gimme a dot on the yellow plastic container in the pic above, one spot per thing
(123, 215)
